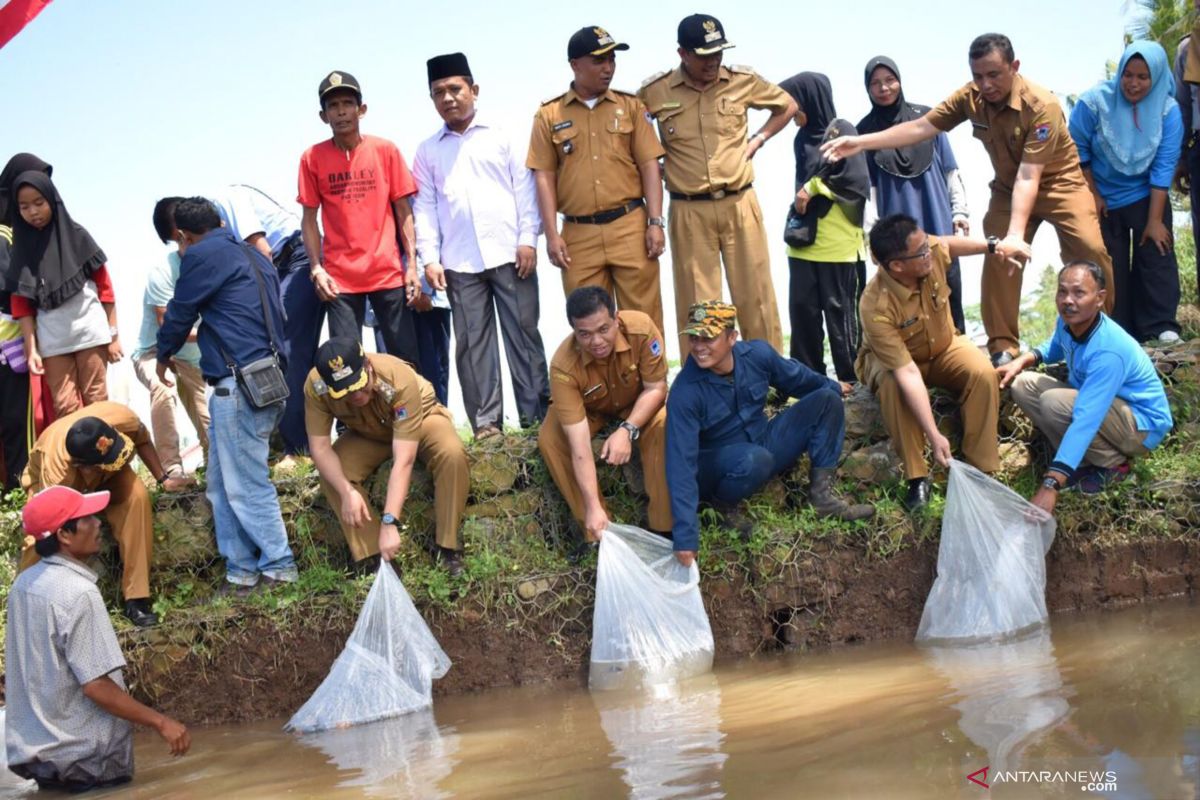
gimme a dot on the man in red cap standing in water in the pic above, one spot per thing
(68, 712)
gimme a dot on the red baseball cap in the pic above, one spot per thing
(51, 508)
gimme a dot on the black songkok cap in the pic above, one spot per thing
(448, 66)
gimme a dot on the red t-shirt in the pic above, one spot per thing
(355, 191)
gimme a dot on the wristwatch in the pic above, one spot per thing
(659, 221)
(387, 519)
(1050, 482)
(634, 430)
(993, 242)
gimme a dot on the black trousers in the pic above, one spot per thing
(1145, 280)
(433, 338)
(14, 424)
(395, 320)
(821, 289)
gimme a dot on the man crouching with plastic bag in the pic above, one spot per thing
(389, 412)
(1113, 406)
(720, 445)
(612, 369)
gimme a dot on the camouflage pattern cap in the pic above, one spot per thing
(710, 319)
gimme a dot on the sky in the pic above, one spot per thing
(131, 100)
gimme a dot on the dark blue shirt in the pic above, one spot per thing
(216, 285)
(706, 411)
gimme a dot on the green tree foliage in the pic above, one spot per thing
(1164, 21)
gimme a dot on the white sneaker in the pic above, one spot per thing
(1168, 337)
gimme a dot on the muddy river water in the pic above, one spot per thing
(1105, 704)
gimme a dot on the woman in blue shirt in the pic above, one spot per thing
(1128, 131)
(920, 180)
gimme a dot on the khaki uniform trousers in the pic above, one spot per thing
(556, 452)
(1050, 403)
(442, 453)
(703, 232)
(130, 515)
(190, 388)
(1072, 212)
(613, 256)
(960, 368)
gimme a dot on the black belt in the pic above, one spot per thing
(289, 247)
(605, 217)
(717, 195)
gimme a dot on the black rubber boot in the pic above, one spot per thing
(827, 503)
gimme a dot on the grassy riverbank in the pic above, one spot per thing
(521, 612)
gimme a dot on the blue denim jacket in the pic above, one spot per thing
(706, 411)
(216, 285)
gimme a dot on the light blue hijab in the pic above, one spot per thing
(1129, 143)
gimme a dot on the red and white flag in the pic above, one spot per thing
(15, 15)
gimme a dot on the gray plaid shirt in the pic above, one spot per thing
(59, 637)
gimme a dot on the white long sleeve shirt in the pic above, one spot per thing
(475, 199)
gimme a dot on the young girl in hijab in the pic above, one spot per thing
(62, 296)
(826, 275)
(1129, 131)
(25, 406)
(920, 180)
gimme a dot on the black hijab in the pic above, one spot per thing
(848, 177)
(21, 162)
(904, 162)
(49, 265)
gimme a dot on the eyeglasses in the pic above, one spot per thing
(889, 83)
(923, 254)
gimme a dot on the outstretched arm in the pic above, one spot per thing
(902, 135)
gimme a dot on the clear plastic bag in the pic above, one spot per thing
(991, 580)
(649, 625)
(386, 669)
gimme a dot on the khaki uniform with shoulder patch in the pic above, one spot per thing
(902, 326)
(129, 512)
(403, 407)
(1029, 128)
(714, 211)
(601, 392)
(594, 154)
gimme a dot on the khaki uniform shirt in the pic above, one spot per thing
(1030, 127)
(902, 325)
(581, 386)
(401, 399)
(704, 133)
(49, 462)
(594, 151)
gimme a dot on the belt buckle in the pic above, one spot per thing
(718, 194)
